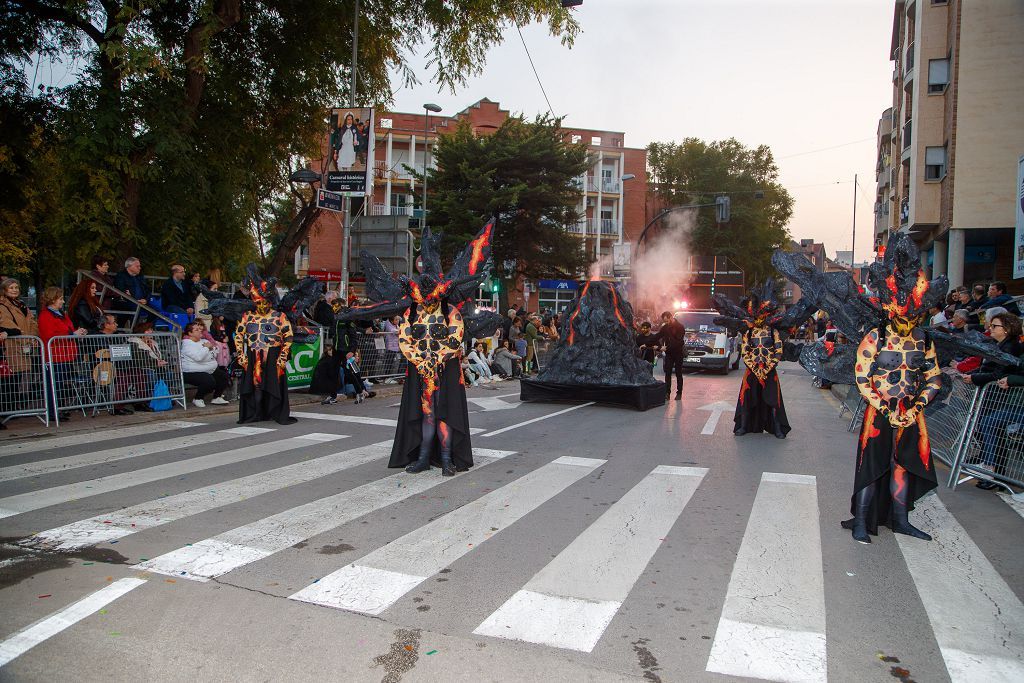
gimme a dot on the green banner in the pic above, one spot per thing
(300, 366)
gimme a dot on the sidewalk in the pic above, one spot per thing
(30, 427)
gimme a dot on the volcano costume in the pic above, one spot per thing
(763, 333)
(896, 367)
(263, 339)
(433, 421)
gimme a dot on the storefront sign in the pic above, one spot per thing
(559, 284)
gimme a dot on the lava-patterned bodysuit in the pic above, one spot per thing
(760, 407)
(898, 375)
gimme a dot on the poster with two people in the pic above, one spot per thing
(351, 150)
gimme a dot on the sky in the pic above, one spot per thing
(809, 79)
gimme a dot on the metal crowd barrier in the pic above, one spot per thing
(22, 379)
(102, 371)
(947, 420)
(994, 445)
(375, 360)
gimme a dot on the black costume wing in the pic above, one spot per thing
(481, 323)
(832, 362)
(948, 346)
(835, 293)
(471, 266)
(380, 286)
(384, 309)
(430, 253)
(230, 309)
(797, 313)
(728, 308)
(300, 297)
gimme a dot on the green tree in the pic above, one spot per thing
(694, 172)
(525, 174)
(186, 110)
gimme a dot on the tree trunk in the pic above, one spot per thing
(297, 233)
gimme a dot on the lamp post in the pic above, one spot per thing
(427, 108)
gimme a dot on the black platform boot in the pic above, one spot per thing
(423, 463)
(447, 470)
(862, 506)
(900, 524)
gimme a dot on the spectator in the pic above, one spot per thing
(199, 366)
(176, 294)
(531, 332)
(101, 272)
(131, 281)
(958, 322)
(62, 353)
(108, 324)
(516, 328)
(201, 302)
(937, 316)
(997, 296)
(521, 345)
(323, 313)
(1006, 329)
(17, 320)
(346, 346)
(467, 370)
(391, 347)
(478, 362)
(506, 324)
(147, 360)
(85, 308)
(508, 363)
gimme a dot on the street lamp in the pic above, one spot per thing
(427, 108)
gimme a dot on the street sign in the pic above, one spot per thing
(348, 182)
(325, 199)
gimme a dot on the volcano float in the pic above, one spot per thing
(594, 358)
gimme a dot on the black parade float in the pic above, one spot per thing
(594, 358)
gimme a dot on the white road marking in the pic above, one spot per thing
(491, 403)
(243, 545)
(570, 602)
(1017, 505)
(773, 621)
(537, 419)
(716, 408)
(379, 579)
(120, 523)
(122, 453)
(977, 619)
(34, 445)
(34, 500)
(27, 638)
(356, 419)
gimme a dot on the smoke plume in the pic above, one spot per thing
(661, 272)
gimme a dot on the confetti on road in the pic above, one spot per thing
(432, 652)
(48, 595)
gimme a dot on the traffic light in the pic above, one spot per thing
(721, 209)
(495, 285)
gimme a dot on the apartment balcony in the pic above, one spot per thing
(908, 67)
(908, 130)
(591, 227)
(385, 210)
(905, 211)
(885, 125)
(605, 185)
(380, 170)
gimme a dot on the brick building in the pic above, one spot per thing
(948, 146)
(613, 208)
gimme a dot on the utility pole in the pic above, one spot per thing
(853, 239)
(347, 215)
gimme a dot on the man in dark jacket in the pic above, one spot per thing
(131, 281)
(176, 294)
(646, 343)
(997, 296)
(672, 337)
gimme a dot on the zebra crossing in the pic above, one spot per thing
(773, 612)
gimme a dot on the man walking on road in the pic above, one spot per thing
(672, 336)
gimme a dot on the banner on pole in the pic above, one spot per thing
(350, 167)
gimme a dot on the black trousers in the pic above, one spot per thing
(673, 364)
(207, 382)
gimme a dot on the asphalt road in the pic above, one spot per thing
(589, 544)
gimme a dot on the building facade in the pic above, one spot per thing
(948, 146)
(612, 208)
